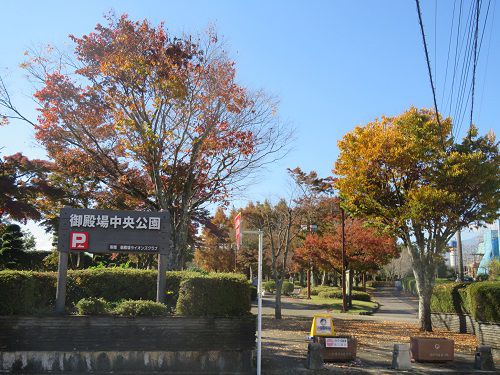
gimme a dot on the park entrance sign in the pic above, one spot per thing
(109, 231)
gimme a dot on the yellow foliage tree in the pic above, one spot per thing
(409, 177)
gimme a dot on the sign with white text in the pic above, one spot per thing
(335, 342)
(109, 231)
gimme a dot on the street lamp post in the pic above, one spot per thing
(344, 258)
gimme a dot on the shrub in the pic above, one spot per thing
(27, 293)
(111, 284)
(92, 306)
(449, 298)
(337, 294)
(484, 301)
(494, 270)
(409, 285)
(269, 286)
(287, 288)
(379, 283)
(214, 295)
(24, 292)
(315, 290)
(140, 308)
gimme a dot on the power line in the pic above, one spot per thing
(475, 61)
(462, 87)
(429, 70)
(487, 56)
(448, 56)
(450, 101)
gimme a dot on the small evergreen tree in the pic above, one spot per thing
(12, 246)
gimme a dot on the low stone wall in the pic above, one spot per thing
(84, 344)
(486, 333)
(455, 322)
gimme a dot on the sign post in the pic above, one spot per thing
(260, 234)
(108, 231)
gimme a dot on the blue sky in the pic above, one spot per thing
(332, 64)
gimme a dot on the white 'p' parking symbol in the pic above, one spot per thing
(79, 241)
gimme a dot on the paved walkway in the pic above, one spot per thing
(394, 306)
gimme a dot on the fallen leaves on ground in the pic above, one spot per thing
(289, 334)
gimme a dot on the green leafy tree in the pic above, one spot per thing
(12, 246)
(408, 176)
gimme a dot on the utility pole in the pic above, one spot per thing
(460, 257)
(344, 295)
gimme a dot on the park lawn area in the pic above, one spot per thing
(335, 305)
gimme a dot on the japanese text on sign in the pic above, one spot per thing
(133, 248)
(114, 222)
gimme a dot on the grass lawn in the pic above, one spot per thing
(335, 305)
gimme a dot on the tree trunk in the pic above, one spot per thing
(313, 279)
(323, 278)
(364, 281)
(277, 304)
(351, 276)
(424, 272)
(250, 273)
(301, 277)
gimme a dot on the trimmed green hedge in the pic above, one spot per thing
(450, 298)
(479, 299)
(269, 286)
(315, 290)
(484, 301)
(140, 308)
(337, 294)
(214, 295)
(27, 293)
(409, 284)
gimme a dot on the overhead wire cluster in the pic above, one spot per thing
(465, 41)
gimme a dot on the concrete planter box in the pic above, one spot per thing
(105, 344)
(337, 354)
(432, 349)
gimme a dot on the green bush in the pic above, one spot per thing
(217, 294)
(315, 290)
(287, 288)
(450, 298)
(269, 286)
(494, 270)
(140, 308)
(27, 293)
(479, 299)
(484, 301)
(92, 306)
(112, 284)
(409, 285)
(337, 294)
